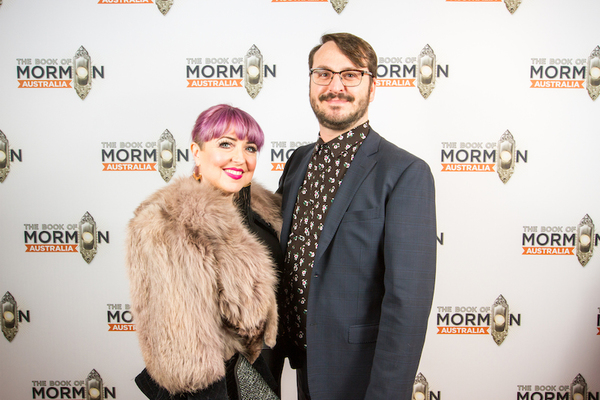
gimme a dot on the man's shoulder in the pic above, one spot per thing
(301, 151)
(306, 148)
(392, 152)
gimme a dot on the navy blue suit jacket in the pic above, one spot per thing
(373, 277)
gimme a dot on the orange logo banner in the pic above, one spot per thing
(51, 248)
(204, 83)
(555, 84)
(121, 327)
(129, 166)
(598, 334)
(454, 330)
(467, 167)
(395, 82)
(548, 251)
(277, 166)
(44, 84)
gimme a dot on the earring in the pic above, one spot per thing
(196, 174)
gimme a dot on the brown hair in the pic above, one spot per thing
(356, 49)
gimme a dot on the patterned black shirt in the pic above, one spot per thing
(324, 175)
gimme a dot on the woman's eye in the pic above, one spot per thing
(225, 145)
(251, 149)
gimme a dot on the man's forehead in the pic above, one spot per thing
(329, 55)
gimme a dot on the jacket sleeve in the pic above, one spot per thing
(410, 258)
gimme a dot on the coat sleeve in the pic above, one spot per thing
(410, 258)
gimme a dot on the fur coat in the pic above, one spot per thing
(202, 286)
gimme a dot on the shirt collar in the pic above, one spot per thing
(346, 140)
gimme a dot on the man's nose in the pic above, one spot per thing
(336, 83)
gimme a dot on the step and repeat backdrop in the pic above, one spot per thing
(98, 99)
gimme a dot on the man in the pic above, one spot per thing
(359, 238)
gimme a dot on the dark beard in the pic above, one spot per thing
(341, 124)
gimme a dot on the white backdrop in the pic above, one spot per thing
(66, 309)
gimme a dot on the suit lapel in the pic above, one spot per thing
(363, 162)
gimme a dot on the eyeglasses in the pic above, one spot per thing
(349, 77)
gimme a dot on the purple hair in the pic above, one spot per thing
(216, 121)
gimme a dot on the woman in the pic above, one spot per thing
(201, 256)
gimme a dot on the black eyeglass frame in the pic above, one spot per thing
(333, 73)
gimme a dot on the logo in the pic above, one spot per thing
(339, 5)
(583, 244)
(577, 390)
(557, 73)
(4, 157)
(561, 240)
(593, 77)
(511, 5)
(421, 389)
(92, 388)
(493, 320)
(120, 318)
(164, 6)
(483, 156)
(567, 73)
(65, 238)
(49, 73)
(425, 68)
(216, 74)
(410, 72)
(11, 316)
(7, 155)
(222, 73)
(253, 75)
(161, 156)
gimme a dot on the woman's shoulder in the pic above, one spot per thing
(267, 205)
(184, 200)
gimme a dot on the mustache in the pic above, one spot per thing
(341, 96)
